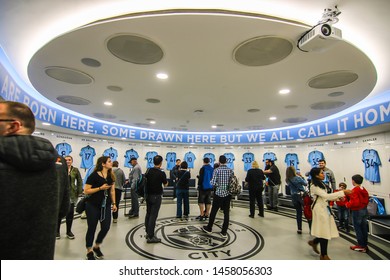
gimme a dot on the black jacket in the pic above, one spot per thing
(31, 194)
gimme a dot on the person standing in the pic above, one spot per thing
(342, 210)
(221, 199)
(34, 190)
(173, 175)
(100, 188)
(134, 176)
(75, 190)
(254, 178)
(323, 226)
(182, 191)
(296, 184)
(273, 183)
(156, 179)
(329, 179)
(120, 179)
(358, 201)
(204, 189)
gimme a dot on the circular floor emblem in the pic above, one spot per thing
(183, 239)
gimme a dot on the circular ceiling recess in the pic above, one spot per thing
(74, 100)
(327, 105)
(91, 62)
(67, 75)
(333, 79)
(336, 94)
(104, 116)
(114, 88)
(262, 51)
(135, 49)
(295, 120)
(152, 100)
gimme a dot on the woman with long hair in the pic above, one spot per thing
(254, 178)
(100, 187)
(323, 225)
(296, 184)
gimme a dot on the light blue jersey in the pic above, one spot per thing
(371, 162)
(270, 156)
(112, 153)
(230, 160)
(64, 149)
(211, 156)
(89, 171)
(149, 159)
(314, 157)
(292, 160)
(87, 153)
(171, 160)
(190, 158)
(248, 158)
(129, 155)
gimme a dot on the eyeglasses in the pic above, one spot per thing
(7, 120)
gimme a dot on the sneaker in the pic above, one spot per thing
(359, 248)
(70, 235)
(58, 236)
(199, 218)
(153, 239)
(261, 215)
(90, 256)
(251, 216)
(205, 217)
(133, 216)
(185, 216)
(299, 231)
(223, 235)
(98, 253)
(114, 221)
(206, 230)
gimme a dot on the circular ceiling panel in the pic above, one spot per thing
(74, 100)
(295, 120)
(327, 105)
(135, 49)
(333, 79)
(67, 75)
(262, 51)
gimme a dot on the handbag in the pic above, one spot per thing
(80, 207)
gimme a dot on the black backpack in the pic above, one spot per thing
(140, 186)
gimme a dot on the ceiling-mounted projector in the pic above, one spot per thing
(320, 38)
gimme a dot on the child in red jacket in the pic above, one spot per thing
(342, 210)
(358, 201)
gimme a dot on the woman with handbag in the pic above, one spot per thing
(100, 187)
(296, 184)
(323, 225)
(254, 178)
(182, 191)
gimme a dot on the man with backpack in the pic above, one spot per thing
(222, 197)
(134, 177)
(204, 189)
(358, 201)
(273, 183)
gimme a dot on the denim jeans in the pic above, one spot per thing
(359, 220)
(118, 194)
(298, 205)
(134, 203)
(153, 204)
(182, 197)
(343, 215)
(273, 196)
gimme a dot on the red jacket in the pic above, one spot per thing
(342, 200)
(358, 199)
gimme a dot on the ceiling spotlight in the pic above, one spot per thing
(45, 123)
(108, 103)
(152, 122)
(162, 76)
(284, 91)
(272, 118)
(213, 126)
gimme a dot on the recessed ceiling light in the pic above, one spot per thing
(162, 76)
(272, 118)
(341, 133)
(213, 126)
(152, 122)
(284, 91)
(45, 123)
(108, 103)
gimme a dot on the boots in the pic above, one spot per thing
(324, 257)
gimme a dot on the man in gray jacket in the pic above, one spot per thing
(33, 190)
(134, 176)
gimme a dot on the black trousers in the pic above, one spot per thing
(256, 195)
(69, 219)
(153, 204)
(224, 204)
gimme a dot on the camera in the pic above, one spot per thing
(326, 30)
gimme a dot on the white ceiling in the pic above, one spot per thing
(206, 85)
